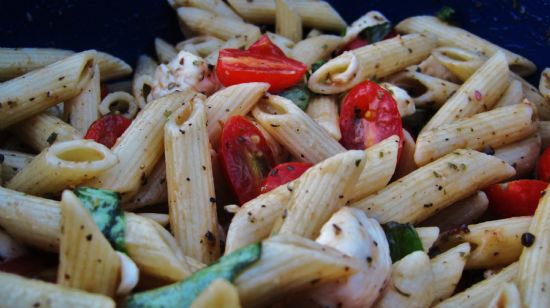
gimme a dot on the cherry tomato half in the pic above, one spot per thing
(282, 174)
(543, 166)
(262, 63)
(246, 157)
(107, 129)
(515, 198)
(369, 115)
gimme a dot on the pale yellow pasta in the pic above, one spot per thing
(87, 261)
(12, 162)
(317, 48)
(41, 89)
(544, 84)
(313, 33)
(164, 50)
(405, 104)
(448, 35)
(63, 165)
(447, 269)
(161, 219)
(371, 18)
(494, 128)
(544, 132)
(428, 236)
(462, 63)
(154, 191)
(324, 111)
(201, 45)
(435, 186)
(521, 155)
(42, 130)
(220, 293)
(406, 162)
(119, 103)
(17, 291)
(281, 41)
(140, 147)
(191, 195)
(295, 130)
(142, 83)
(82, 110)
(370, 62)
(112, 67)
(512, 95)
(432, 67)
(287, 22)
(507, 297)
(218, 7)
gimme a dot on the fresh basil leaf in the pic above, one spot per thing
(445, 14)
(299, 95)
(315, 66)
(104, 206)
(402, 239)
(376, 33)
(183, 293)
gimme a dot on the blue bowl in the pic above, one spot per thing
(127, 28)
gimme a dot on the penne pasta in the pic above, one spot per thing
(448, 35)
(405, 104)
(240, 41)
(521, 155)
(12, 162)
(462, 63)
(371, 18)
(428, 236)
(153, 192)
(217, 7)
(406, 163)
(544, 132)
(544, 84)
(435, 186)
(161, 219)
(494, 128)
(432, 67)
(370, 62)
(83, 109)
(63, 165)
(324, 111)
(316, 48)
(142, 82)
(220, 293)
(164, 50)
(140, 147)
(284, 43)
(447, 269)
(11, 249)
(313, 33)
(287, 22)
(508, 296)
(41, 89)
(480, 92)
(201, 46)
(119, 103)
(513, 95)
(111, 67)
(297, 132)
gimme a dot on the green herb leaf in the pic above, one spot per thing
(183, 293)
(104, 206)
(445, 14)
(376, 33)
(299, 95)
(51, 138)
(402, 239)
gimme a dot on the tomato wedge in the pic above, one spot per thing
(263, 62)
(543, 166)
(107, 129)
(282, 174)
(369, 115)
(515, 198)
(246, 157)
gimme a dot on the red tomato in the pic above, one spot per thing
(357, 42)
(282, 174)
(262, 63)
(245, 156)
(104, 90)
(516, 198)
(106, 130)
(369, 115)
(543, 166)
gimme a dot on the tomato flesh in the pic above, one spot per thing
(515, 198)
(282, 174)
(107, 129)
(543, 166)
(246, 157)
(369, 115)
(265, 46)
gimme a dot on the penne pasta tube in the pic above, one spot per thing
(255, 219)
(462, 63)
(17, 291)
(513, 95)
(119, 103)
(297, 132)
(41, 89)
(120, 86)
(217, 7)
(313, 33)
(317, 48)
(42, 130)
(370, 62)
(534, 269)
(447, 269)
(12, 162)
(208, 23)
(201, 46)
(289, 264)
(140, 147)
(282, 42)
(480, 294)
(164, 50)
(544, 83)
(406, 163)
(314, 14)
(153, 192)
(480, 92)
(463, 212)
(432, 67)
(435, 186)
(287, 22)
(220, 293)
(111, 67)
(63, 165)
(191, 195)
(405, 104)
(371, 18)
(448, 35)
(522, 155)
(318, 193)
(426, 91)
(428, 236)
(82, 110)
(494, 128)
(324, 111)
(142, 82)
(411, 283)
(241, 41)
(544, 132)
(87, 261)
(161, 219)
(234, 100)
(508, 296)
(145, 66)
(10, 248)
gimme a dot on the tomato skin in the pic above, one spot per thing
(245, 156)
(262, 63)
(357, 42)
(543, 166)
(107, 129)
(282, 174)
(369, 115)
(515, 198)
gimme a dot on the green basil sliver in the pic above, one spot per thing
(299, 95)
(402, 239)
(376, 33)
